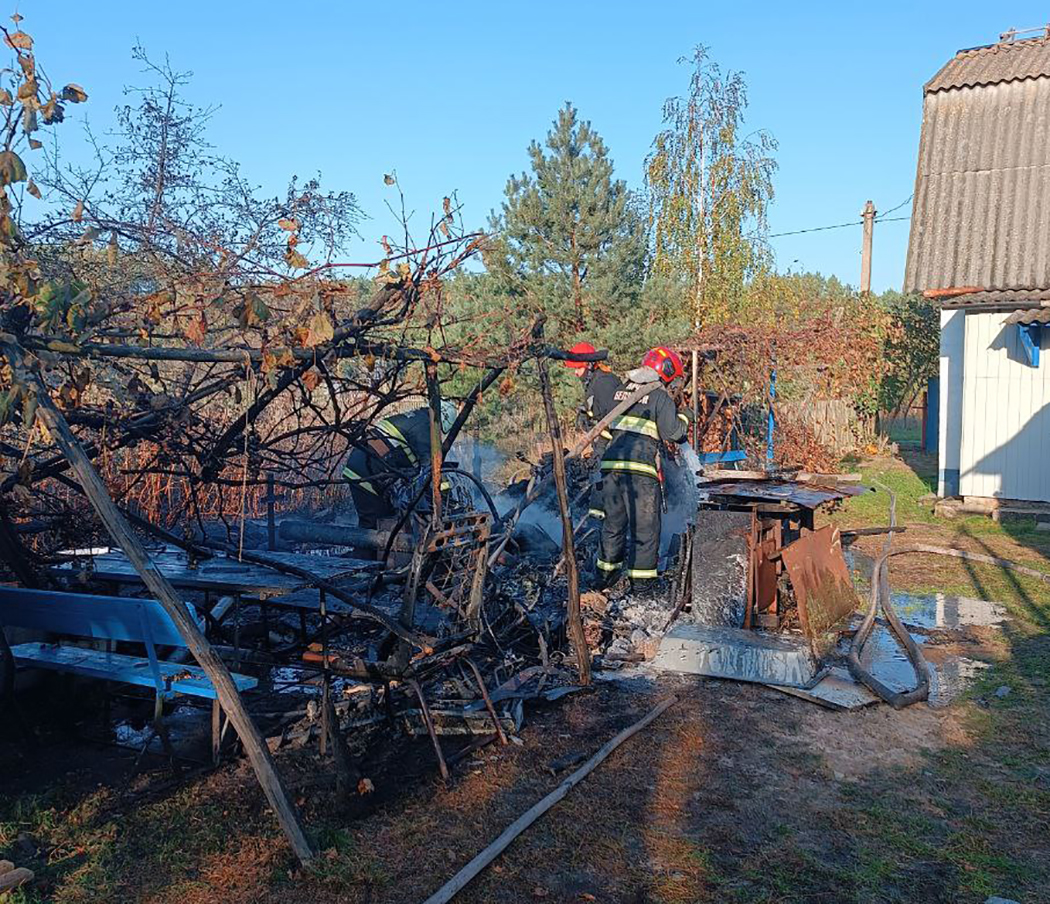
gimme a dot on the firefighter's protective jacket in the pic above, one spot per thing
(639, 431)
(599, 391)
(399, 442)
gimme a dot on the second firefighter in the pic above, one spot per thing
(631, 472)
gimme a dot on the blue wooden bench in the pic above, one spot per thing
(111, 618)
(721, 458)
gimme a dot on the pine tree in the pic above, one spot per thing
(569, 240)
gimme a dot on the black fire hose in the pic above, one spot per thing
(880, 586)
(880, 595)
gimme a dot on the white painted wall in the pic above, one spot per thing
(951, 402)
(1005, 426)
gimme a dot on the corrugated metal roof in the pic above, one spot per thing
(1004, 62)
(803, 494)
(1032, 315)
(1003, 299)
(981, 215)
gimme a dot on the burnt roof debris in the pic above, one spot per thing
(775, 491)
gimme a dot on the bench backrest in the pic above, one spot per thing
(87, 615)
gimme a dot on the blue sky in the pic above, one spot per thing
(450, 94)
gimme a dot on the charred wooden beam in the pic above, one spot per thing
(572, 572)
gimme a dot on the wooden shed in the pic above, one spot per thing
(980, 243)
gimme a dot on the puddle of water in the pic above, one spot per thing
(886, 660)
(938, 611)
(927, 610)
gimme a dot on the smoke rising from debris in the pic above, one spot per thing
(680, 479)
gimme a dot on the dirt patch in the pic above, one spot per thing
(675, 814)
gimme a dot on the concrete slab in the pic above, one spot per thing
(737, 654)
(837, 690)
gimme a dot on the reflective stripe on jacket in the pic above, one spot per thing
(390, 431)
(638, 432)
(360, 480)
(393, 444)
(409, 434)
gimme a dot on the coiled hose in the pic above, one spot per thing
(880, 596)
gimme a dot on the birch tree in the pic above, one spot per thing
(709, 186)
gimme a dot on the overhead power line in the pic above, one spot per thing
(898, 207)
(838, 226)
(882, 218)
(777, 235)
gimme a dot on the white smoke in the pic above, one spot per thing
(680, 493)
(493, 466)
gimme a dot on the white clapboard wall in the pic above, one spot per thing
(1005, 428)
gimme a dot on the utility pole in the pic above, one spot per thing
(865, 253)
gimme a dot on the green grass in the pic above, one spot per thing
(908, 485)
(973, 810)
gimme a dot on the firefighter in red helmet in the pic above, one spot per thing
(631, 471)
(600, 385)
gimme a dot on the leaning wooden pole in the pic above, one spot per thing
(436, 451)
(572, 571)
(124, 537)
(454, 885)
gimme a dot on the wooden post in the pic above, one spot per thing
(572, 573)
(696, 400)
(865, 252)
(434, 396)
(229, 699)
(270, 498)
(532, 492)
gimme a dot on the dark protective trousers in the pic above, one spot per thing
(595, 499)
(632, 505)
(369, 500)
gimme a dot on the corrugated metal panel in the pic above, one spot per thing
(1005, 441)
(981, 215)
(1033, 315)
(994, 64)
(1005, 299)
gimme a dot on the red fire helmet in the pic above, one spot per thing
(665, 362)
(580, 348)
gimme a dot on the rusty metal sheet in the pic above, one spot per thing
(822, 583)
(766, 568)
(775, 491)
